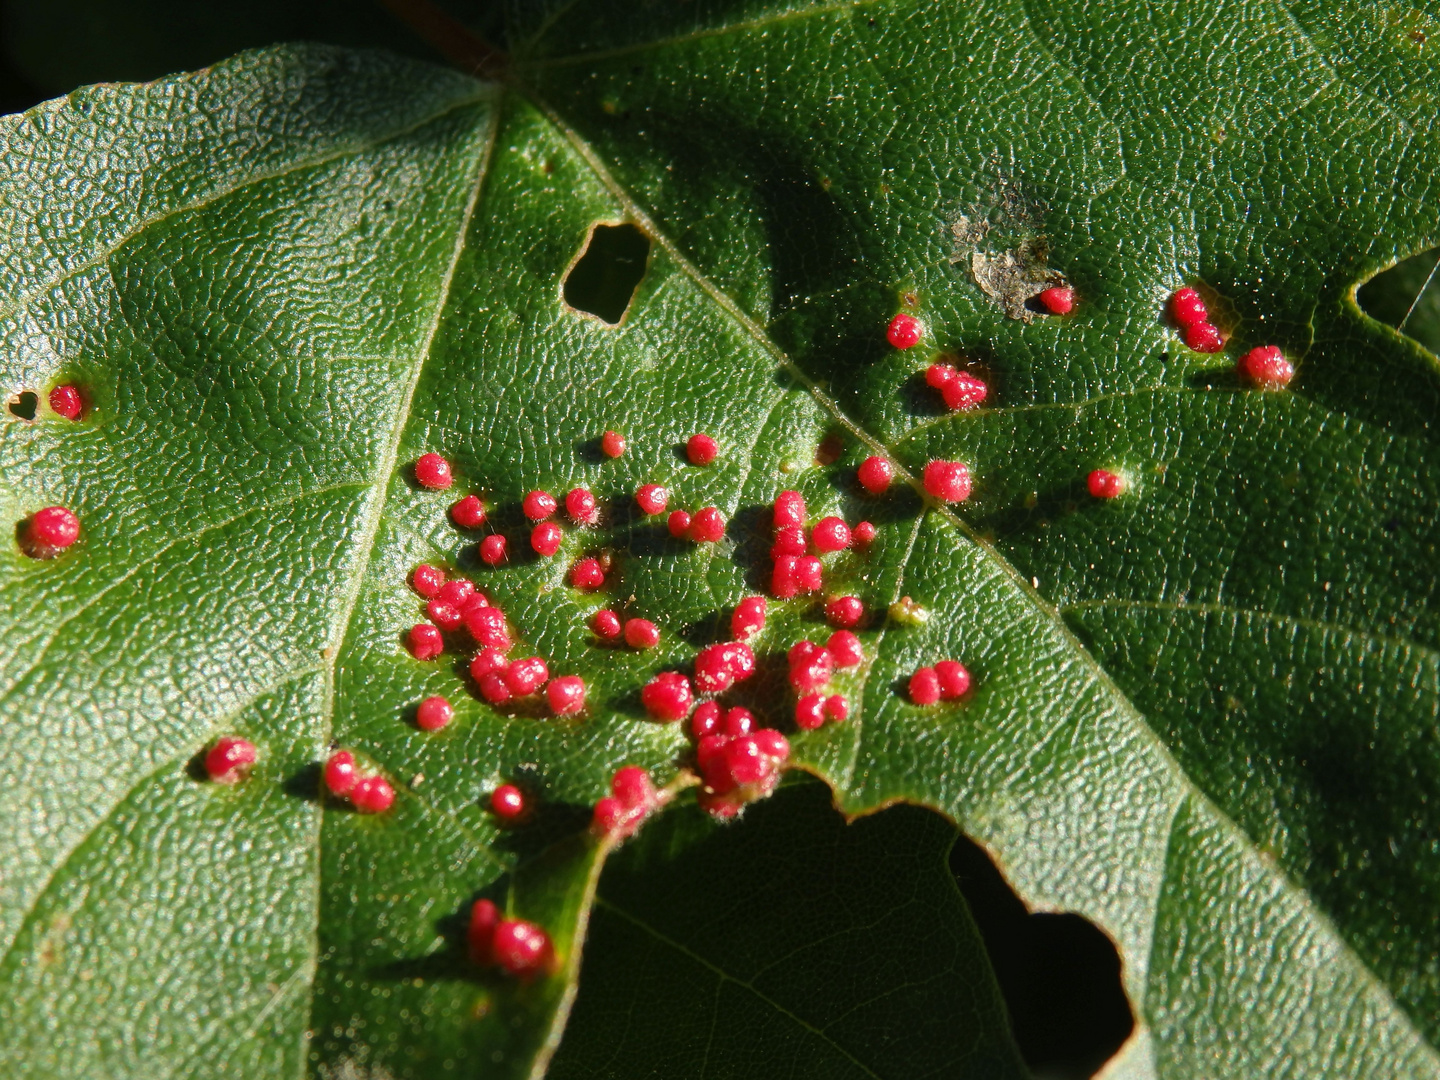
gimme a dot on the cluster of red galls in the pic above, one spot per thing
(1265, 366)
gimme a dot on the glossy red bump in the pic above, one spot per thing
(701, 449)
(566, 695)
(521, 948)
(667, 696)
(468, 513)
(608, 816)
(836, 709)
(446, 616)
(809, 573)
(789, 540)
(745, 762)
(434, 713)
(487, 627)
(587, 574)
(612, 444)
(864, 534)
(425, 642)
(772, 744)
(651, 498)
(713, 673)
(494, 688)
(488, 661)
(484, 917)
(1187, 307)
(426, 580)
(580, 505)
(1103, 484)
(339, 773)
(789, 509)
(845, 611)
(678, 523)
(741, 659)
(830, 534)
(433, 471)
(1058, 300)
(810, 712)
(1266, 368)
(875, 474)
(845, 649)
(53, 528)
(507, 802)
(229, 760)
(748, 617)
(457, 592)
(641, 634)
(633, 787)
(738, 721)
(538, 505)
(948, 480)
(65, 401)
(606, 624)
(1203, 337)
(545, 538)
(904, 331)
(925, 687)
(938, 376)
(372, 795)
(954, 679)
(964, 392)
(493, 550)
(782, 578)
(525, 676)
(706, 719)
(707, 526)
(811, 668)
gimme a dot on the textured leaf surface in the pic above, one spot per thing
(1205, 715)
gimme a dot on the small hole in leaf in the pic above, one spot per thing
(603, 282)
(24, 404)
(1059, 974)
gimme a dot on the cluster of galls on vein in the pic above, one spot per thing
(736, 760)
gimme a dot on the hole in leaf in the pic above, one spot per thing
(1059, 974)
(603, 282)
(24, 404)
(1407, 297)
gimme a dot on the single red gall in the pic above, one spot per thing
(864, 534)
(830, 534)
(480, 934)
(580, 505)
(507, 802)
(459, 592)
(538, 505)
(230, 759)
(837, 709)
(1266, 368)
(810, 666)
(701, 449)
(521, 948)
(707, 526)
(487, 627)
(612, 444)
(678, 523)
(789, 540)
(809, 573)
(433, 713)
(566, 695)
(446, 616)
(372, 795)
(468, 513)
(488, 661)
(845, 649)
(606, 624)
(846, 611)
(667, 697)
(875, 474)
(651, 498)
(641, 634)
(1058, 300)
(789, 509)
(587, 574)
(340, 774)
(425, 642)
(749, 617)
(426, 580)
(948, 480)
(964, 392)
(545, 538)
(1187, 307)
(706, 719)
(494, 688)
(433, 471)
(65, 401)
(493, 550)
(524, 677)
(925, 687)
(904, 331)
(52, 530)
(953, 679)
(1103, 484)
(1204, 337)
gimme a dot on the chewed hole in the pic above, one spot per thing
(24, 404)
(604, 279)
(1059, 974)
(1407, 297)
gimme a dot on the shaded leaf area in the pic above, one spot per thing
(789, 943)
(1407, 297)
(1273, 155)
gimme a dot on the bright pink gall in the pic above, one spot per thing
(738, 721)
(830, 534)
(789, 509)
(925, 687)
(713, 673)
(810, 666)
(458, 592)
(904, 331)
(810, 712)
(741, 659)
(608, 816)
(633, 787)
(493, 549)
(651, 498)
(521, 948)
(875, 474)
(612, 444)
(487, 627)
(484, 917)
(524, 677)
(641, 634)
(1187, 307)
(705, 720)
(782, 579)
(844, 611)
(953, 678)
(538, 505)
(772, 744)
(836, 709)
(494, 688)
(433, 471)
(468, 513)
(667, 696)
(339, 773)
(845, 648)
(678, 523)
(426, 580)
(1105, 485)
(587, 574)
(710, 757)
(580, 505)
(1058, 300)
(707, 526)
(566, 695)
(749, 617)
(372, 795)
(745, 762)
(424, 642)
(446, 616)
(701, 449)
(230, 759)
(1266, 368)
(948, 480)
(433, 713)
(864, 534)
(53, 528)
(964, 392)
(789, 540)
(938, 376)
(1203, 337)
(507, 802)
(488, 661)
(809, 573)
(545, 538)
(606, 624)
(65, 401)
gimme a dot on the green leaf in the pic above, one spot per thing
(1205, 714)
(821, 948)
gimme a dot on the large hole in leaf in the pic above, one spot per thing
(604, 280)
(24, 404)
(1059, 974)
(1407, 297)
